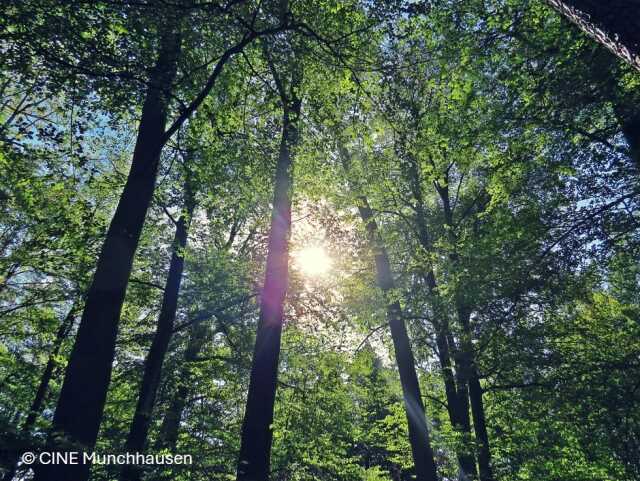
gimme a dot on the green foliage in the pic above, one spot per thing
(495, 146)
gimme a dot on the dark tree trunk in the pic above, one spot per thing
(475, 394)
(422, 452)
(631, 129)
(43, 387)
(457, 402)
(447, 372)
(423, 458)
(255, 447)
(462, 387)
(468, 380)
(170, 427)
(629, 119)
(82, 398)
(613, 23)
(139, 429)
(480, 427)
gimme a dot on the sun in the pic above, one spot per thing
(313, 261)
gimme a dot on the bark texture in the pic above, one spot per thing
(613, 23)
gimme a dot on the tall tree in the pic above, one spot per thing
(456, 385)
(423, 457)
(419, 113)
(150, 382)
(79, 410)
(81, 403)
(255, 448)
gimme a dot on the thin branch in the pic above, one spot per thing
(371, 333)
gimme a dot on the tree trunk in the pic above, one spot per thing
(613, 23)
(255, 447)
(423, 458)
(43, 387)
(170, 427)
(475, 395)
(82, 398)
(468, 373)
(631, 130)
(462, 387)
(629, 119)
(457, 405)
(139, 429)
(457, 399)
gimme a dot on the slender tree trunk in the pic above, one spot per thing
(255, 447)
(82, 398)
(457, 396)
(421, 450)
(462, 384)
(448, 376)
(613, 23)
(139, 429)
(457, 402)
(457, 405)
(43, 386)
(423, 458)
(475, 395)
(170, 427)
(467, 369)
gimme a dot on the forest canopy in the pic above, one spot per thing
(295, 240)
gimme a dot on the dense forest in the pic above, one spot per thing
(340, 240)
